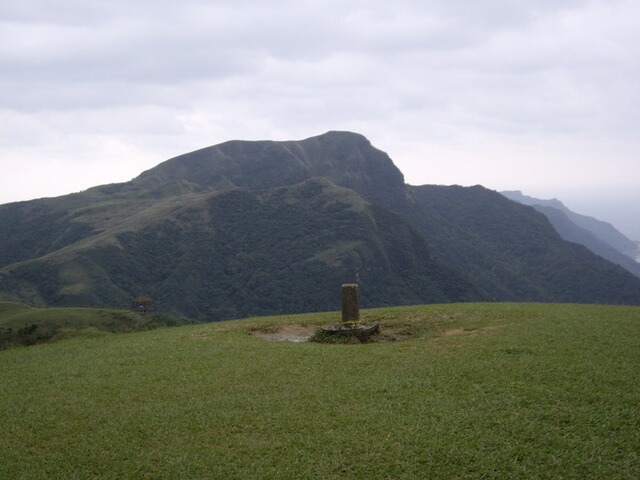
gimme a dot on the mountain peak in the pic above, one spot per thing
(341, 135)
(346, 159)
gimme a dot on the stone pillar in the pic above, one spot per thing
(350, 304)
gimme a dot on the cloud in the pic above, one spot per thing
(507, 94)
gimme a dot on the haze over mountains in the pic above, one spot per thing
(250, 228)
(600, 237)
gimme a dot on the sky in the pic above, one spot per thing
(540, 96)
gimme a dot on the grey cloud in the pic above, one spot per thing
(438, 75)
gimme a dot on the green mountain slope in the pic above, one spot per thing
(346, 159)
(507, 250)
(603, 231)
(247, 228)
(230, 254)
(512, 251)
(602, 238)
(574, 233)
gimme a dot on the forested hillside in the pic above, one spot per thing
(251, 228)
(600, 237)
(239, 253)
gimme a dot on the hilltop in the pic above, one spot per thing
(475, 390)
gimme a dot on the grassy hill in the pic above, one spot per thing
(465, 391)
(28, 325)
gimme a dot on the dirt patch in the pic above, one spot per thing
(288, 333)
(201, 335)
(475, 331)
(300, 333)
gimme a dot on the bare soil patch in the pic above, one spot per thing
(300, 333)
(288, 333)
(475, 331)
(303, 333)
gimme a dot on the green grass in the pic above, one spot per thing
(16, 314)
(473, 391)
(58, 323)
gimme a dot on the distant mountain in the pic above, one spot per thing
(600, 237)
(253, 228)
(511, 251)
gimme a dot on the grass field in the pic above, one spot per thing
(467, 391)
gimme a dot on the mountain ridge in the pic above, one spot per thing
(600, 237)
(338, 156)
(198, 233)
(266, 252)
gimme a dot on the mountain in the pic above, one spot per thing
(345, 159)
(262, 227)
(216, 255)
(511, 251)
(600, 237)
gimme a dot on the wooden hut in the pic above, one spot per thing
(141, 304)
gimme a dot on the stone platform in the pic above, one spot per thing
(361, 330)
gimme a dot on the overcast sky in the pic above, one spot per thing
(541, 96)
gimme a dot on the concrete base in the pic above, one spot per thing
(360, 330)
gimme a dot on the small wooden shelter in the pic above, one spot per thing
(141, 304)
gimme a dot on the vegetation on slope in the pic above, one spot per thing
(241, 253)
(476, 391)
(604, 231)
(574, 233)
(511, 251)
(29, 325)
(344, 158)
(232, 230)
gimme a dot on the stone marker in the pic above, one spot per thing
(351, 325)
(350, 305)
